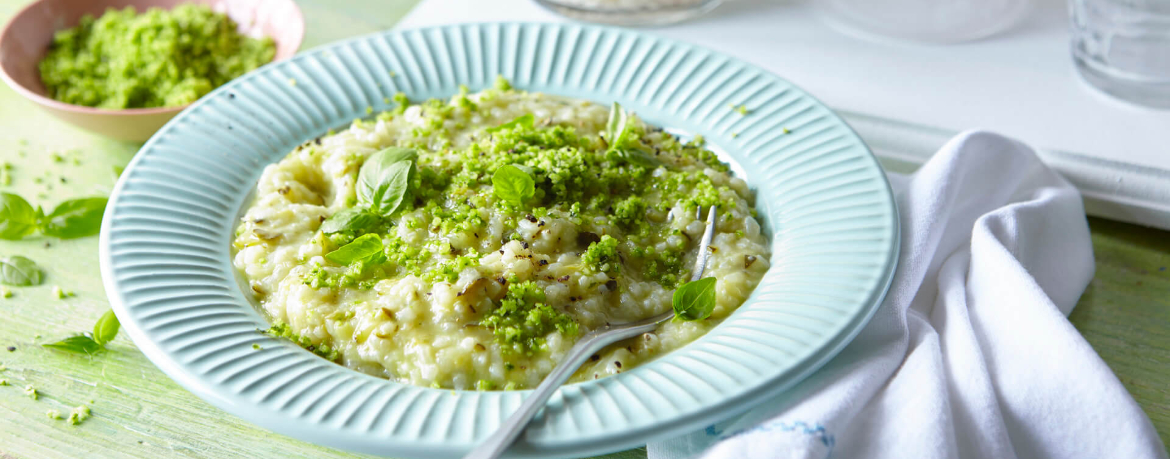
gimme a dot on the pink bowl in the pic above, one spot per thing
(26, 38)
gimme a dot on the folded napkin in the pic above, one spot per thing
(971, 355)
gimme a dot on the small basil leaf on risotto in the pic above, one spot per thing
(695, 300)
(384, 180)
(349, 220)
(360, 249)
(526, 121)
(617, 127)
(512, 184)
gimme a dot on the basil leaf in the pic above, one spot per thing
(361, 248)
(639, 157)
(106, 328)
(617, 127)
(75, 218)
(348, 220)
(527, 121)
(512, 184)
(384, 180)
(17, 217)
(694, 300)
(20, 271)
(80, 344)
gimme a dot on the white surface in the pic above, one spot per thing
(971, 355)
(1020, 82)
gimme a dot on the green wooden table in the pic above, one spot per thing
(139, 412)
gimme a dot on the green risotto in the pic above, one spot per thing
(469, 242)
(158, 58)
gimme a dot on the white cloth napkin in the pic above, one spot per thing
(971, 355)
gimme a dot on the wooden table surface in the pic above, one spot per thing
(139, 412)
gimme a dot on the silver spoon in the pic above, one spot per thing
(596, 340)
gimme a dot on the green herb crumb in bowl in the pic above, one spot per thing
(123, 68)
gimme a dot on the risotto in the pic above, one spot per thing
(468, 243)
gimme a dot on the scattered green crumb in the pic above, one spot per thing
(393, 74)
(3, 382)
(61, 293)
(2, 368)
(5, 292)
(156, 58)
(741, 109)
(256, 346)
(734, 135)
(786, 131)
(292, 81)
(386, 100)
(57, 158)
(53, 414)
(31, 392)
(369, 109)
(79, 414)
(283, 330)
(76, 162)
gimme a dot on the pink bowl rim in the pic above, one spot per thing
(58, 105)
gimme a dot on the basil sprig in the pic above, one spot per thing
(19, 271)
(384, 180)
(694, 300)
(104, 331)
(513, 185)
(17, 217)
(69, 220)
(383, 186)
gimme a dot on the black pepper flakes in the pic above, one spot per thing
(543, 262)
(617, 364)
(595, 357)
(11, 348)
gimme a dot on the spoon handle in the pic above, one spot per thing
(494, 446)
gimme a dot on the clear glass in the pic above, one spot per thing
(1122, 47)
(936, 21)
(630, 12)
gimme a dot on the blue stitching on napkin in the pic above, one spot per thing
(816, 430)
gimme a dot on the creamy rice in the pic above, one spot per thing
(421, 320)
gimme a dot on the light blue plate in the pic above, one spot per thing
(166, 261)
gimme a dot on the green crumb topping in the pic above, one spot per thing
(3, 382)
(5, 292)
(602, 256)
(484, 384)
(741, 109)
(158, 58)
(523, 319)
(283, 330)
(53, 414)
(256, 346)
(31, 392)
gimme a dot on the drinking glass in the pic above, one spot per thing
(937, 21)
(1122, 47)
(630, 12)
